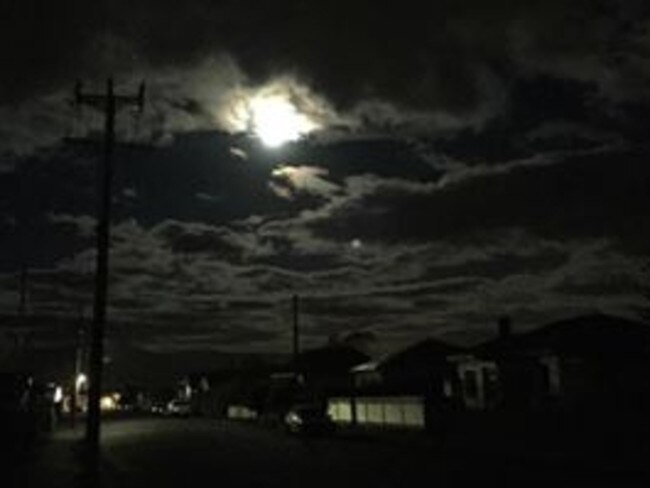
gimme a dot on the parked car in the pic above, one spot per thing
(179, 408)
(158, 408)
(308, 420)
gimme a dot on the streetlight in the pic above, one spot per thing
(80, 382)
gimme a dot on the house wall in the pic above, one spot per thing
(340, 410)
(552, 382)
(602, 383)
(552, 379)
(398, 411)
(364, 379)
(479, 384)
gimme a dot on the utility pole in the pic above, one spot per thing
(78, 359)
(22, 304)
(19, 333)
(296, 336)
(22, 216)
(109, 103)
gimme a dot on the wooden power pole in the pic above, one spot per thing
(109, 103)
(22, 305)
(295, 335)
(77, 367)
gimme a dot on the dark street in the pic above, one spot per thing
(173, 452)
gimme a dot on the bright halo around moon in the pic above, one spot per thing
(276, 121)
(278, 113)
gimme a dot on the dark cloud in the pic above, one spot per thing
(184, 238)
(436, 288)
(477, 159)
(352, 308)
(41, 43)
(207, 300)
(503, 263)
(583, 196)
(442, 52)
(614, 285)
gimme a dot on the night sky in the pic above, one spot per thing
(446, 165)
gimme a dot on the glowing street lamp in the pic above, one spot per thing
(108, 403)
(81, 381)
(58, 394)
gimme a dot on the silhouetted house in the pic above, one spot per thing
(591, 362)
(213, 393)
(327, 369)
(367, 375)
(477, 374)
(316, 375)
(478, 380)
(422, 368)
(411, 388)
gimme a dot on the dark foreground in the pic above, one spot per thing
(160, 453)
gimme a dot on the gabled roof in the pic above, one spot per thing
(420, 356)
(596, 334)
(330, 359)
(367, 367)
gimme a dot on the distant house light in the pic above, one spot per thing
(58, 394)
(107, 403)
(81, 381)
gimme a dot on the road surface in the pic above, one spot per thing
(160, 453)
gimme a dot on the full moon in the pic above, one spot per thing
(277, 113)
(276, 121)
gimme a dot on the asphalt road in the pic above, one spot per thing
(158, 453)
(173, 452)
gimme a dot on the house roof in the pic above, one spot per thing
(596, 334)
(420, 356)
(365, 367)
(330, 359)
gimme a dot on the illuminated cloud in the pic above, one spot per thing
(239, 153)
(290, 180)
(484, 160)
(279, 111)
